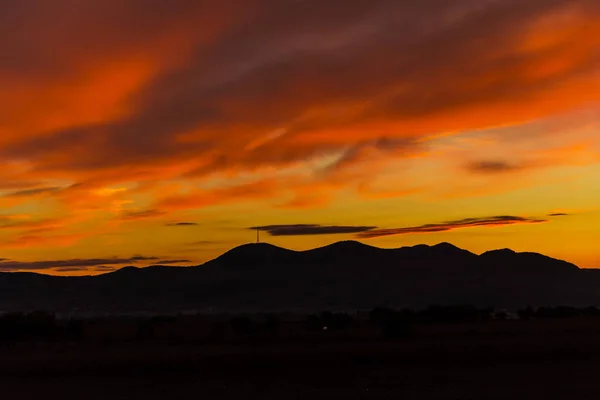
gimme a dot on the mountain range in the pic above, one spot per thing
(345, 275)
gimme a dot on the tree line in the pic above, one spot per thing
(44, 326)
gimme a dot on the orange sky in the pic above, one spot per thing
(136, 132)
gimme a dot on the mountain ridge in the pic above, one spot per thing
(236, 252)
(342, 275)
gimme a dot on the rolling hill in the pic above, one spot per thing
(345, 275)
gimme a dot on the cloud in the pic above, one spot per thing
(144, 214)
(142, 258)
(26, 230)
(501, 220)
(72, 269)
(26, 221)
(558, 215)
(32, 192)
(310, 229)
(7, 220)
(491, 167)
(104, 268)
(373, 150)
(167, 262)
(123, 114)
(100, 268)
(37, 240)
(10, 181)
(200, 198)
(318, 67)
(205, 243)
(183, 224)
(71, 263)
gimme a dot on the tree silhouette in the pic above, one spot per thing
(526, 313)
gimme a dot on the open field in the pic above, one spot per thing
(538, 359)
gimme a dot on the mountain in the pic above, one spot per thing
(343, 275)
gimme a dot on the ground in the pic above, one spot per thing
(513, 359)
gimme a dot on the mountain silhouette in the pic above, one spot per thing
(343, 275)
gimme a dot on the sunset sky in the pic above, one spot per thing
(137, 132)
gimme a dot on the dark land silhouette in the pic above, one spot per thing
(343, 276)
(343, 321)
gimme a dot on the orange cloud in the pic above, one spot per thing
(204, 198)
(352, 81)
(31, 240)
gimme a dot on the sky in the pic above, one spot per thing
(139, 132)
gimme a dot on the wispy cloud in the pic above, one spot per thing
(501, 220)
(104, 268)
(167, 262)
(310, 229)
(31, 223)
(205, 243)
(72, 269)
(492, 167)
(71, 263)
(33, 192)
(142, 258)
(38, 240)
(144, 214)
(182, 224)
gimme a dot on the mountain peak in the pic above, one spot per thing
(446, 245)
(346, 249)
(347, 244)
(510, 260)
(450, 249)
(251, 253)
(127, 269)
(499, 252)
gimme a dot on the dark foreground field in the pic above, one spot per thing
(489, 360)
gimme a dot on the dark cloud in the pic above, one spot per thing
(16, 184)
(310, 229)
(491, 167)
(32, 192)
(104, 26)
(24, 222)
(167, 262)
(205, 243)
(8, 220)
(500, 220)
(104, 268)
(558, 215)
(142, 258)
(183, 224)
(72, 263)
(134, 215)
(72, 269)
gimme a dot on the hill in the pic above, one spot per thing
(345, 275)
